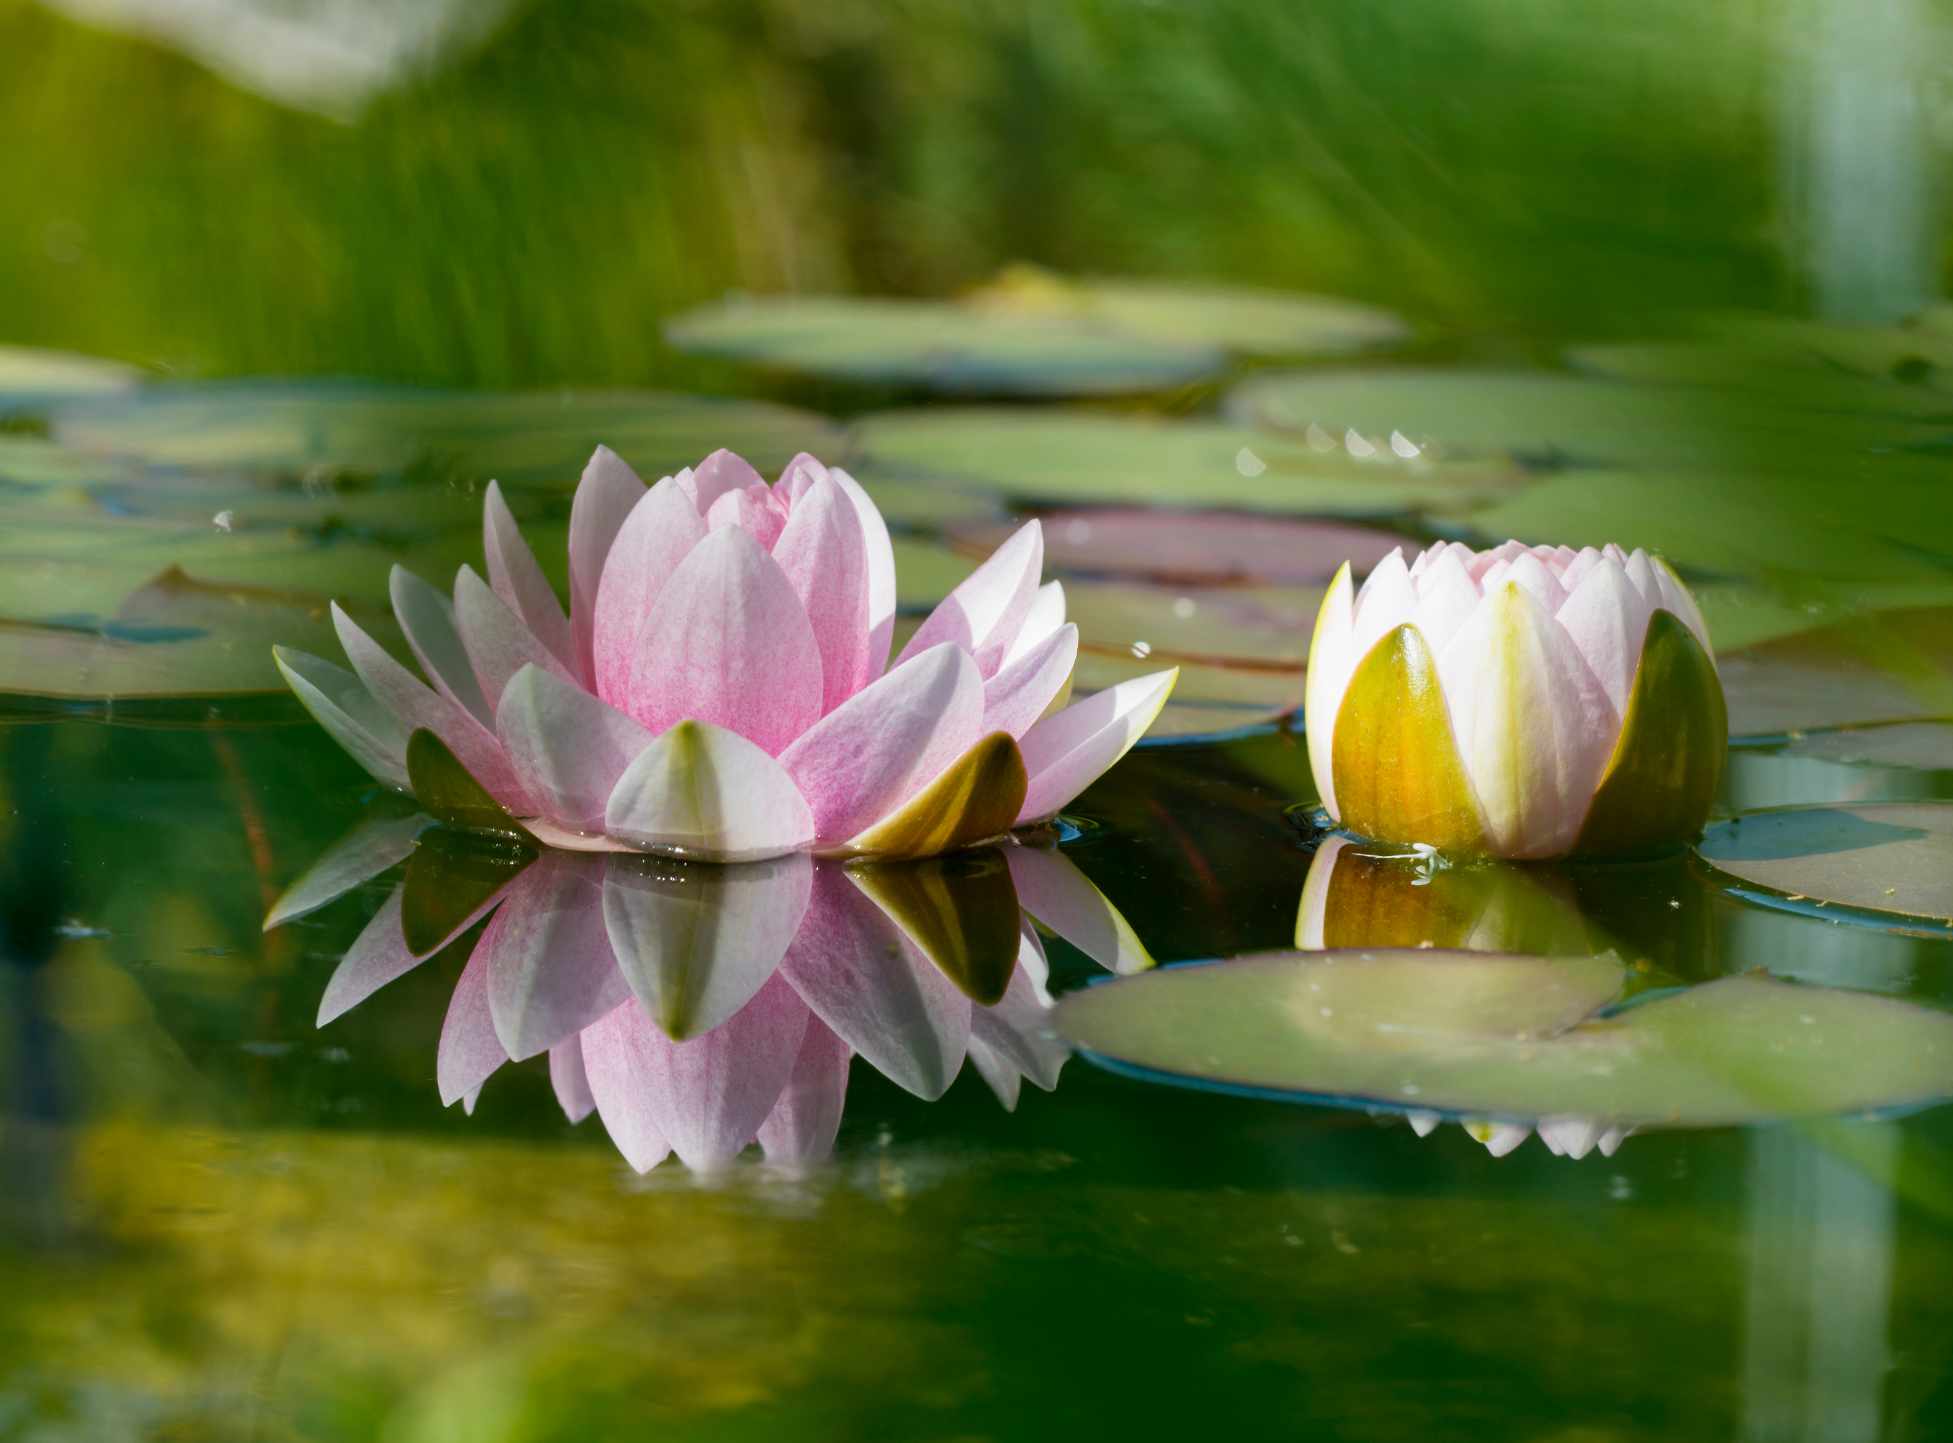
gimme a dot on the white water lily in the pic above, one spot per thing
(1522, 702)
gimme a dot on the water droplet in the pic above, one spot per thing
(1404, 446)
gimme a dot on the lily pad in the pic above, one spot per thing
(1758, 524)
(38, 374)
(1549, 416)
(1894, 859)
(1465, 1035)
(941, 346)
(1041, 456)
(1784, 370)
(1208, 699)
(322, 431)
(1252, 322)
(1884, 667)
(1206, 548)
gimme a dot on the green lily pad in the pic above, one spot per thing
(1553, 416)
(38, 374)
(942, 346)
(323, 431)
(1207, 699)
(1756, 524)
(174, 635)
(1041, 456)
(1253, 322)
(1460, 1033)
(1785, 370)
(1884, 667)
(1894, 859)
(1193, 548)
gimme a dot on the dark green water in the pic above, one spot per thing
(219, 1221)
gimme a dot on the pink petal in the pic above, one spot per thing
(1446, 595)
(727, 642)
(1066, 753)
(1015, 1039)
(1675, 597)
(868, 756)
(372, 847)
(498, 644)
(1060, 896)
(380, 954)
(703, 792)
(709, 1096)
(984, 614)
(340, 702)
(872, 987)
(881, 571)
(824, 553)
(750, 510)
(716, 475)
(620, 1071)
(1046, 615)
(550, 969)
(1608, 621)
(427, 619)
(569, 1081)
(520, 582)
(654, 538)
(1532, 575)
(473, 745)
(1020, 692)
(566, 747)
(604, 499)
(696, 942)
(469, 1051)
(803, 1124)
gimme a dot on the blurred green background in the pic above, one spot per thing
(515, 194)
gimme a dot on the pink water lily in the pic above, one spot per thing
(719, 685)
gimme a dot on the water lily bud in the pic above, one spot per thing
(1521, 702)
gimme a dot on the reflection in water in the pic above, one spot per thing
(698, 1008)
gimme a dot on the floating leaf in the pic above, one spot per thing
(39, 374)
(329, 431)
(1552, 416)
(1255, 322)
(1892, 858)
(174, 635)
(1036, 455)
(1193, 548)
(1751, 523)
(1889, 666)
(1464, 1033)
(941, 346)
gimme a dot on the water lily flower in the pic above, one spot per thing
(1521, 702)
(719, 686)
(697, 1008)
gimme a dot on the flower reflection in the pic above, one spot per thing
(698, 1008)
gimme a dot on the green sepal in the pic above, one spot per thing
(1396, 768)
(451, 794)
(1661, 781)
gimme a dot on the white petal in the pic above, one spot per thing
(498, 643)
(1332, 661)
(427, 619)
(1534, 728)
(704, 792)
(1608, 621)
(351, 715)
(568, 748)
(519, 581)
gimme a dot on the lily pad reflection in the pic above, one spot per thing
(1515, 1039)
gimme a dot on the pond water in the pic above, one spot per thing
(282, 1181)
